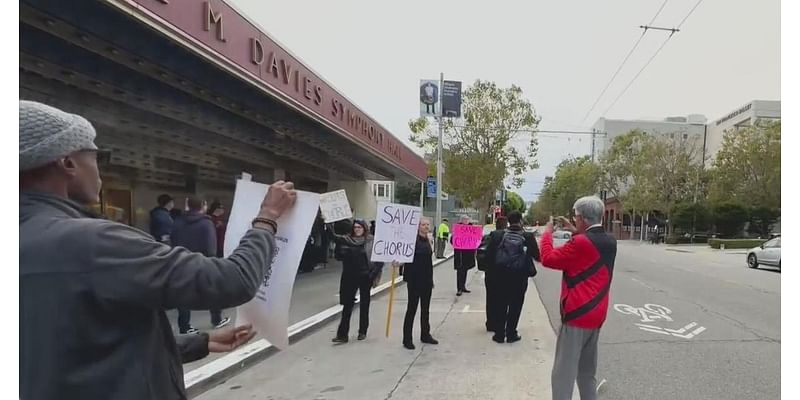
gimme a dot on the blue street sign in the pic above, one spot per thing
(431, 187)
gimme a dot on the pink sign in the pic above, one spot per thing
(467, 237)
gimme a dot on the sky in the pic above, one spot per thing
(561, 53)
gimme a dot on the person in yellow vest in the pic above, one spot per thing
(442, 234)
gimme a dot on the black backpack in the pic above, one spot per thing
(512, 254)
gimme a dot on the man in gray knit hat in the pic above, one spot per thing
(93, 292)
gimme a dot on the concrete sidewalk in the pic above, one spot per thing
(466, 363)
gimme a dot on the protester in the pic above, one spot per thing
(418, 276)
(160, 218)
(587, 262)
(463, 261)
(196, 232)
(493, 291)
(195, 347)
(442, 234)
(217, 212)
(359, 274)
(513, 252)
(93, 292)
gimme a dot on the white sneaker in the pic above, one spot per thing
(225, 321)
(192, 330)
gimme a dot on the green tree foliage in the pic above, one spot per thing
(514, 202)
(482, 149)
(407, 193)
(574, 178)
(748, 167)
(691, 217)
(729, 217)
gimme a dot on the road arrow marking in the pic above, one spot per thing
(684, 329)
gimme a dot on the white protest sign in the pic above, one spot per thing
(269, 310)
(396, 228)
(334, 206)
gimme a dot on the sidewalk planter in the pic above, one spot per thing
(735, 243)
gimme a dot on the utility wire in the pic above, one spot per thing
(651, 58)
(625, 60)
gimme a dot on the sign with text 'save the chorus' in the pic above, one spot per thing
(467, 237)
(396, 228)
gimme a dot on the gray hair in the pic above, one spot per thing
(464, 219)
(590, 208)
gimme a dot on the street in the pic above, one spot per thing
(720, 341)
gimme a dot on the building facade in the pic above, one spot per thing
(747, 114)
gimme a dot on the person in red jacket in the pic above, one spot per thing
(587, 264)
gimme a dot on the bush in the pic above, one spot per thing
(681, 239)
(735, 243)
(730, 217)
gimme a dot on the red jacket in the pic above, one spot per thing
(587, 262)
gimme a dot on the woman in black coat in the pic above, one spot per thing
(418, 276)
(463, 261)
(359, 274)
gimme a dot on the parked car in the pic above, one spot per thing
(769, 253)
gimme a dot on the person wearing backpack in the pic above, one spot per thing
(486, 264)
(513, 252)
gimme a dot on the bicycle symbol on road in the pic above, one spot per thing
(648, 313)
(654, 313)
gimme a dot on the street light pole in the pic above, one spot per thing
(439, 156)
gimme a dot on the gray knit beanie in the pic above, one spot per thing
(47, 134)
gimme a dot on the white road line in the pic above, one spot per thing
(654, 331)
(599, 385)
(643, 284)
(698, 331)
(466, 308)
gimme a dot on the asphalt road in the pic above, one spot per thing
(725, 325)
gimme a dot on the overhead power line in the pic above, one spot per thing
(673, 30)
(624, 60)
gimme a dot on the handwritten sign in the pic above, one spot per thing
(268, 311)
(467, 237)
(334, 206)
(395, 233)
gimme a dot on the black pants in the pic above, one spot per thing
(440, 245)
(492, 308)
(347, 296)
(417, 293)
(185, 319)
(510, 290)
(461, 279)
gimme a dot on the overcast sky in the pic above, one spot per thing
(562, 54)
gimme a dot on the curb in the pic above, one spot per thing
(202, 379)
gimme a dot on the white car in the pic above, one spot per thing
(768, 253)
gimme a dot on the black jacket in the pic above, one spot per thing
(420, 271)
(92, 300)
(497, 236)
(195, 232)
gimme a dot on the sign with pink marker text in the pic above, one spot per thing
(467, 237)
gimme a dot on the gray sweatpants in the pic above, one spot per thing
(576, 358)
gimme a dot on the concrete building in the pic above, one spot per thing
(691, 127)
(748, 114)
(187, 95)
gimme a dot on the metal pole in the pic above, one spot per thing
(439, 156)
(422, 196)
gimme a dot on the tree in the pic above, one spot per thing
(407, 193)
(514, 202)
(748, 170)
(479, 150)
(691, 217)
(761, 219)
(574, 178)
(538, 212)
(729, 217)
(670, 172)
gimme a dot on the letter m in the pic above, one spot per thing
(212, 18)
